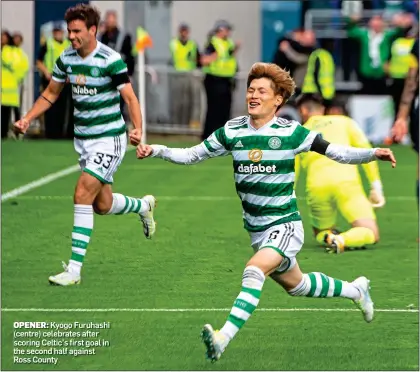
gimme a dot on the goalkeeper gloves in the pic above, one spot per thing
(376, 196)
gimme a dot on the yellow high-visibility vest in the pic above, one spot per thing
(184, 56)
(54, 49)
(23, 64)
(9, 76)
(325, 77)
(226, 64)
(400, 61)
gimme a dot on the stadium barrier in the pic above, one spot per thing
(176, 103)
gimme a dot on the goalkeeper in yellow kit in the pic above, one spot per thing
(332, 187)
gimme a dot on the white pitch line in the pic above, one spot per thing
(185, 198)
(38, 183)
(42, 181)
(196, 310)
(74, 168)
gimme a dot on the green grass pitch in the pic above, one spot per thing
(196, 261)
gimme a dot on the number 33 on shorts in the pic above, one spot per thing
(103, 159)
(102, 166)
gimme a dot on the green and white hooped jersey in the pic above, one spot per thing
(264, 167)
(96, 100)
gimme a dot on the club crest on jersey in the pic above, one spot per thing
(81, 79)
(274, 143)
(94, 71)
(255, 155)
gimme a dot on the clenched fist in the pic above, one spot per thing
(21, 126)
(399, 129)
(135, 136)
(386, 155)
(143, 151)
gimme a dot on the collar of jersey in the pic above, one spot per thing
(271, 122)
(92, 53)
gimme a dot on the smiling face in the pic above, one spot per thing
(79, 35)
(262, 101)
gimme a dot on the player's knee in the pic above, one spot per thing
(86, 189)
(100, 207)
(82, 196)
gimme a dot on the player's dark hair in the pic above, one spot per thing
(84, 12)
(282, 82)
(311, 100)
(339, 104)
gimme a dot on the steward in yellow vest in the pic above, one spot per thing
(220, 66)
(10, 76)
(9, 81)
(401, 58)
(23, 64)
(22, 69)
(184, 51)
(320, 75)
(400, 62)
(58, 120)
(185, 86)
(49, 53)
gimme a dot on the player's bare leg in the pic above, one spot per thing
(318, 284)
(264, 263)
(260, 265)
(90, 196)
(364, 232)
(87, 188)
(108, 202)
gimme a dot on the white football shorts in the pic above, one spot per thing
(286, 238)
(101, 157)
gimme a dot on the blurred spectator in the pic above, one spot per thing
(59, 118)
(220, 66)
(101, 30)
(118, 40)
(9, 81)
(399, 63)
(375, 46)
(185, 90)
(409, 108)
(320, 75)
(290, 52)
(23, 68)
(308, 41)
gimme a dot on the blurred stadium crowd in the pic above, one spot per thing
(201, 80)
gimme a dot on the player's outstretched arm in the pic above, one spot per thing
(185, 156)
(215, 145)
(359, 139)
(42, 104)
(351, 155)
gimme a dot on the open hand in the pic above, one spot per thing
(386, 155)
(143, 151)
